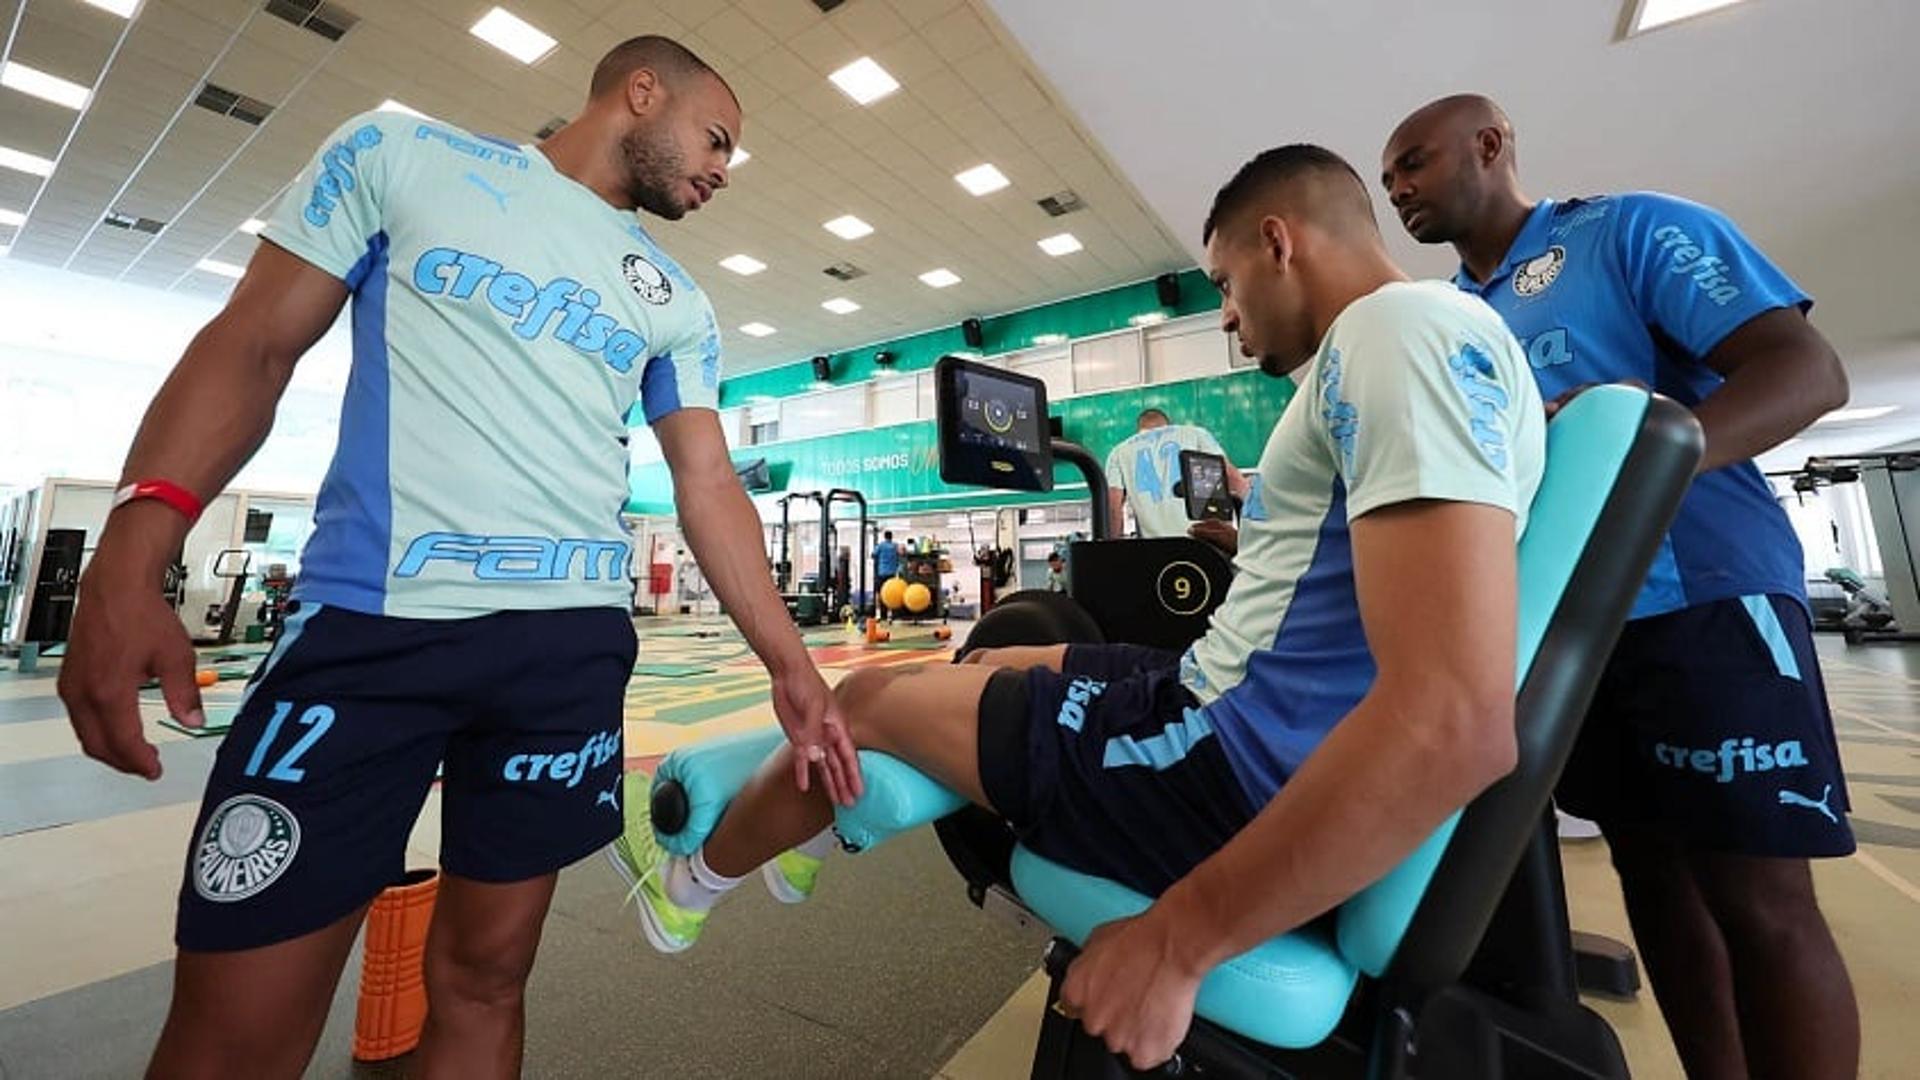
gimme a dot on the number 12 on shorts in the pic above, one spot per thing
(317, 719)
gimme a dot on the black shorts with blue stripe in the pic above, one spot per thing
(1109, 766)
(1710, 725)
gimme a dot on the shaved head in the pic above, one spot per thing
(1460, 116)
(1450, 167)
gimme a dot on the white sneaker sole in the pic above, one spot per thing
(779, 886)
(650, 927)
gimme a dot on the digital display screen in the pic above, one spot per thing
(993, 427)
(1205, 477)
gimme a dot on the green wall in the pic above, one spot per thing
(1082, 316)
(897, 467)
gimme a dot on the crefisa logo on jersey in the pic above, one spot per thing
(646, 279)
(1537, 274)
(248, 842)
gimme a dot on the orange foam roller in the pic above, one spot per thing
(393, 983)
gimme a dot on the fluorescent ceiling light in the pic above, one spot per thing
(941, 278)
(1064, 244)
(1654, 14)
(744, 265)
(982, 180)
(740, 157)
(512, 35)
(840, 305)
(122, 8)
(848, 227)
(1049, 339)
(391, 105)
(756, 329)
(224, 269)
(44, 86)
(864, 81)
(1147, 318)
(1843, 416)
(12, 217)
(25, 162)
(252, 226)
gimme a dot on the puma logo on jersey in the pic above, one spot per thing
(1794, 798)
(499, 196)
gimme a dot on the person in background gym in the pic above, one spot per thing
(1056, 572)
(484, 411)
(1143, 468)
(1354, 688)
(886, 563)
(1708, 757)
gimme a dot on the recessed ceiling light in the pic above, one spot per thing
(391, 105)
(25, 162)
(740, 157)
(224, 269)
(12, 217)
(1843, 416)
(122, 8)
(512, 35)
(940, 278)
(1654, 14)
(840, 305)
(864, 81)
(1063, 244)
(848, 227)
(982, 180)
(46, 87)
(756, 329)
(744, 265)
(252, 226)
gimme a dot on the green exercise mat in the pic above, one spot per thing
(219, 719)
(671, 671)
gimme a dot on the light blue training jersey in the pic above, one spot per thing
(505, 320)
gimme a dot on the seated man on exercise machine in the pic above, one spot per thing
(1356, 685)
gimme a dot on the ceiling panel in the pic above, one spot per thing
(966, 97)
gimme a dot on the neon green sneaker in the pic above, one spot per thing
(642, 864)
(791, 876)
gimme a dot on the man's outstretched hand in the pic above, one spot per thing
(808, 714)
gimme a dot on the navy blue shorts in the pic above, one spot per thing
(335, 745)
(1711, 724)
(1109, 767)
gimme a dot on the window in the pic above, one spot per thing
(896, 400)
(1188, 349)
(763, 433)
(1106, 363)
(1051, 366)
(824, 412)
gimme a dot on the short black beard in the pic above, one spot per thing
(654, 168)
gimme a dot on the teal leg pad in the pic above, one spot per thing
(711, 773)
(898, 797)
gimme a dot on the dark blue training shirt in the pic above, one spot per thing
(1643, 286)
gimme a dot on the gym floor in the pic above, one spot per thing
(888, 972)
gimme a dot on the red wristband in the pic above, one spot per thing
(167, 492)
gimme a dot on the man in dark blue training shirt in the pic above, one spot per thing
(1708, 758)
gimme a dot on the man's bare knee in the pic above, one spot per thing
(477, 976)
(863, 699)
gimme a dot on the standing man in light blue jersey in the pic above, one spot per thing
(463, 597)
(1354, 688)
(1143, 468)
(1708, 756)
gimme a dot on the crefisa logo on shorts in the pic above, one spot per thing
(248, 842)
(647, 279)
